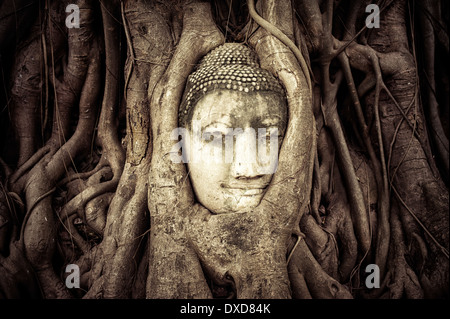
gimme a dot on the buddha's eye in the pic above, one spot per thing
(214, 134)
(273, 132)
(269, 137)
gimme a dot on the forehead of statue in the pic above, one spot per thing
(241, 110)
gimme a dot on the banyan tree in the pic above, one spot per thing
(224, 149)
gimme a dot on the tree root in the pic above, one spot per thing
(379, 168)
(404, 282)
(121, 247)
(331, 119)
(437, 132)
(308, 279)
(323, 239)
(273, 30)
(25, 113)
(169, 198)
(39, 232)
(31, 162)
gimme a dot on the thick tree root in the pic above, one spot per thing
(308, 279)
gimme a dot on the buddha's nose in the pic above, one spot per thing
(245, 164)
(241, 170)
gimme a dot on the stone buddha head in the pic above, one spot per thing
(235, 114)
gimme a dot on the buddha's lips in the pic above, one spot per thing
(245, 190)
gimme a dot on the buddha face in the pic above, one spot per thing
(237, 161)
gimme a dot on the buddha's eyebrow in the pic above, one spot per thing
(223, 120)
(215, 123)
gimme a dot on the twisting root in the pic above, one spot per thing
(35, 158)
(436, 129)
(424, 228)
(84, 175)
(320, 285)
(112, 152)
(404, 282)
(331, 117)
(26, 96)
(39, 240)
(273, 30)
(383, 219)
